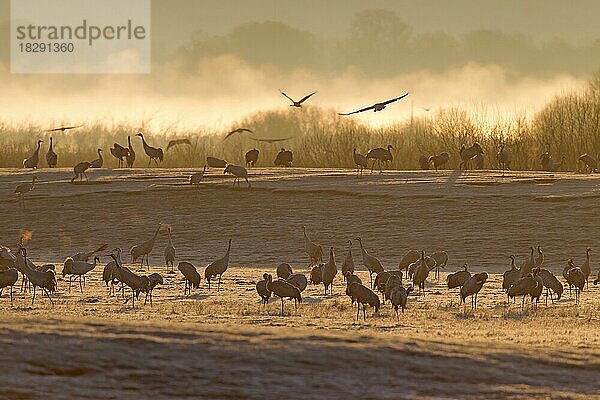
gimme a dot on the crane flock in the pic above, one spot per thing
(394, 286)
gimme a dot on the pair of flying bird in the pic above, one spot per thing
(375, 107)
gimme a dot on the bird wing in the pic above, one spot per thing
(292, 100)
(239, 130)
(271, 140)
(176, 142)
(395, 99)
(358, 111)
(306, 97)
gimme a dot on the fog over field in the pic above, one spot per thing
(213, 65)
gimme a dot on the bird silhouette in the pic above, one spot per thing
(299, 102)
(377, 106)
(64, 128)
(238, 130)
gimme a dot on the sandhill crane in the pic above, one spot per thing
(399, 298)
(119, 152)
(360, 161)
(423, 162)
(586, 266)
(314, 251)
(504, 159)
(429, 262)
(86, 255)
(153, 280)
(536, 292)
(130, 158)
(523, 287)
(472, 287)
(382, 279)
(421, 274)
(575, 277)
(441, 260)
(154, 153)
(218, 268)
(298, 280)
(22, 189)
(370, 262)
(284, 270)
(46, 280)
(191, 275)
(98, 162)
(283, 289)
(79, 170)
(350, 279)
(299, 102)
(263, 291)
(381, 156)
(239, 172)
(144, 249)
(348, 264)
(395, 279)
(169, 251)
(51, 156)
(363, 296)
(215, 162)
(510, 276)
(548, 164)
(539, 260)
(410, 257)
(316, 274)
(439, 160)
(329, 272)
(197, 177)
(591, 164)
(566, 269)
(252, 157)
(377, 106)
(108, 276)
(135, 282)
(551, 283)
(529, 263)
(64, 128)
(284, 158)
(468, 153)
(8, 278)
(34, 158)
(78, 269)
(458, 278)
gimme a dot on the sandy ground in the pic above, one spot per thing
(225, 345)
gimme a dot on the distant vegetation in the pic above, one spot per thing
(569, 125)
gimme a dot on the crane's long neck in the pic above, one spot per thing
(50, 144)
(228, 251)
(331, 256)
(170, 241)
(129, 141)
(155, 235)
(99, 154)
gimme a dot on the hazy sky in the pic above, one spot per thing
(214, 62)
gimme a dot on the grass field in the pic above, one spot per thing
(226, 345)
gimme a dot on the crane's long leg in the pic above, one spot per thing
(48, 294)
